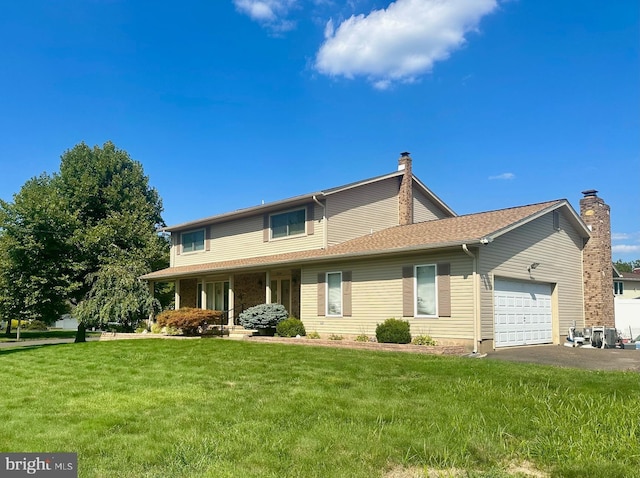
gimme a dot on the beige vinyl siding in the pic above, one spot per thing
(424, 209)
(376, 295)
(244, 237)
(560, 256)
(357, 211)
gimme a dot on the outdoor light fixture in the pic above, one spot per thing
(533, 266)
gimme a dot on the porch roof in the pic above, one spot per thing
(471, 229)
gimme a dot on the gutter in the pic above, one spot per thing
(476, 296)
(325, 239)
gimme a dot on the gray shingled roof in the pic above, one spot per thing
(441, 233)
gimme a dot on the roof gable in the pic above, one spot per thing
(305, 198)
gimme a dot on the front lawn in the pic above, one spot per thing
(220, 408)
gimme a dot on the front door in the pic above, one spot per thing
(281, 292)
(217, 294)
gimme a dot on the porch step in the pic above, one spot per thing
(240, 333)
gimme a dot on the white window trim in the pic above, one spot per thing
(191, 231)
(326, 301)
(415, 291)
(289, 236)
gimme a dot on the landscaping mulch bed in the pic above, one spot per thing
(352, 344)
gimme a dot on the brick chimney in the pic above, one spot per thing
(405, 195)
(596, 262)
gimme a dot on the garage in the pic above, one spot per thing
(522, 313)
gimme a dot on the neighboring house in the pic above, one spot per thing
(626, 289)
(626, 285)
(345, 259)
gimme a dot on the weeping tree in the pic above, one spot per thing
(117, 295)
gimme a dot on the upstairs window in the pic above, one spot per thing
(287, 224)
(193, 241)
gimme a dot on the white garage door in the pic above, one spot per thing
(522, 313)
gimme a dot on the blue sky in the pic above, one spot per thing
(228, 103)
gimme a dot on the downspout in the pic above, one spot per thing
(476, 308)
(325, 241)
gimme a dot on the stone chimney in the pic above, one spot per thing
(405, 195)
(596, 262)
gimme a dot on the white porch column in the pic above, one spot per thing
(232, 296)
(267, 287)
(150, 284)
(177, 294)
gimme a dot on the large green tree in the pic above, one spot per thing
(36, 266)
(84, 236)
(623, 266)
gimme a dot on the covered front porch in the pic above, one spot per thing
(234, 292)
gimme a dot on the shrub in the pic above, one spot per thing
(35, 325)
(313, 335)
(156, 328)
(423, 340)
(290, 327)
(190, 320)
(362, 338)
(393, 331)
(335, 337)
(263, 316)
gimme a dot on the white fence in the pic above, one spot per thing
(628, 316)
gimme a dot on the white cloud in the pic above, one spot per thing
(505, 176)
(401, 42)
(269, 13)
(620, 236)
(625, 248)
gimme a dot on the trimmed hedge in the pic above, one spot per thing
(190, 320)
(393, 331)
(263, 316)
(290, 327)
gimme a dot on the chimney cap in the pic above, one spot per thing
(405, 154)
(590, 192)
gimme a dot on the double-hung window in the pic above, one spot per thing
(290, 223)
(334, 294)
(193, 241)
(618, 288)
(426, 303)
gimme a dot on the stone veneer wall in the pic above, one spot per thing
(188, 292)
(597, 267)
(249, 290)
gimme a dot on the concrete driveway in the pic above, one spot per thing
(561, 356)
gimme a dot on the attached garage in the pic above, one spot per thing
(522, 313)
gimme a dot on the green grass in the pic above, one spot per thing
(41, 335)
(215, 408)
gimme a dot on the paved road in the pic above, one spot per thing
(33, 343)
(592, 359)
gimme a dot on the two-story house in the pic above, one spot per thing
(345, 259)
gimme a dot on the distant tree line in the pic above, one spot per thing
(76, 241)
(623, 266)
